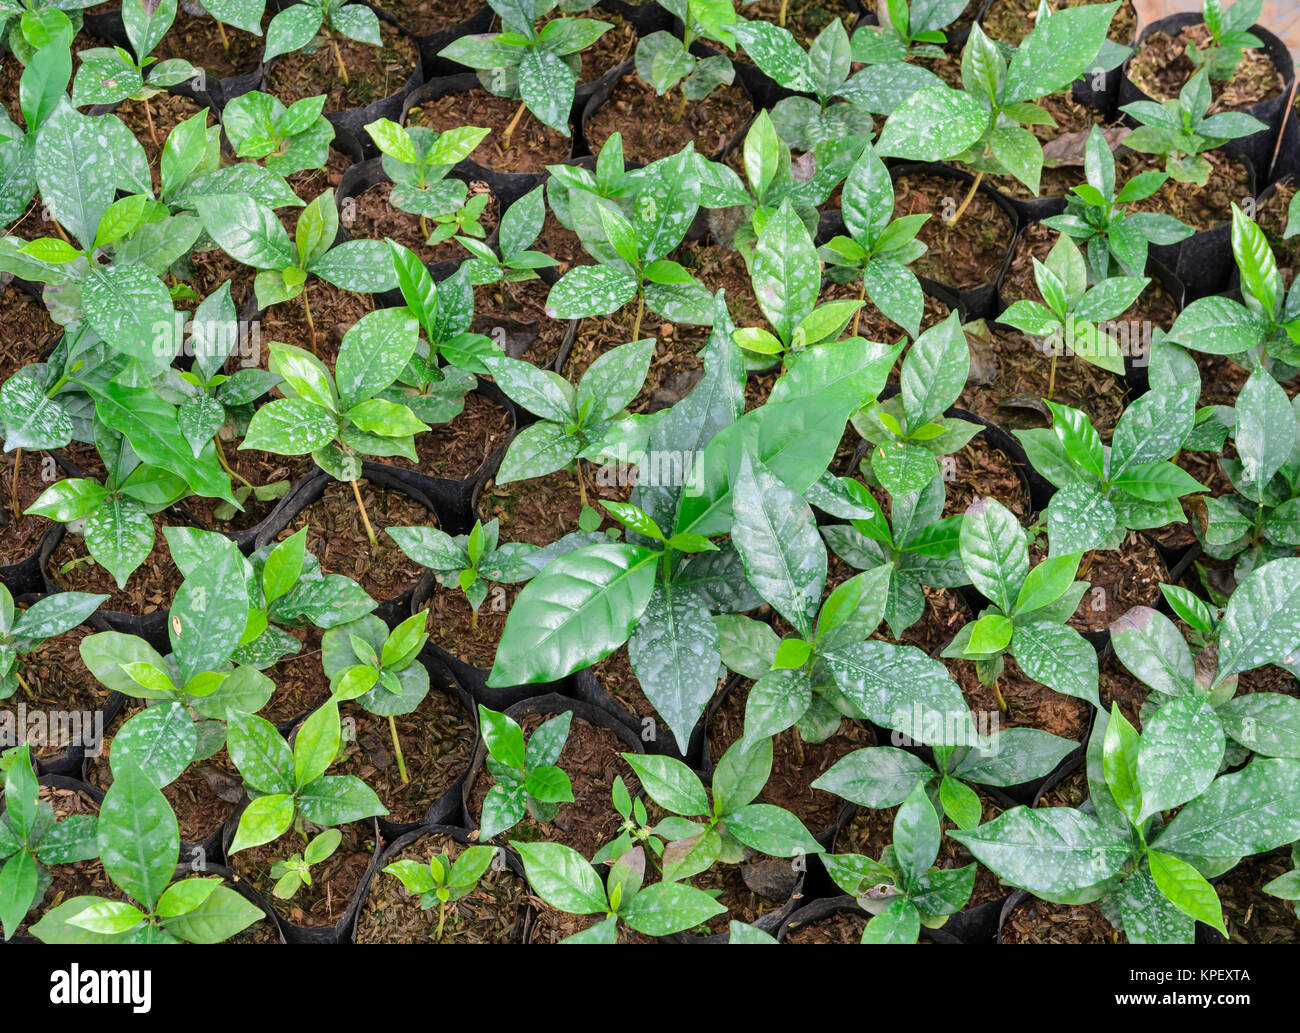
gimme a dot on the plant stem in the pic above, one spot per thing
(365, 519)
(148, 114)
(582, 482)
(681, 110)
(397, 746)
(640, 310)
(13, 498)
(311, 323)
(1051, 377)
(1086, 564)
(857, 316)
(338, 57)
(442, 915)
(473, 621)
(26, 688)
(225, 465)
(225, 40)
(780, 17)
(510, 129)
(424, 228)
(997, 694)
(59, 230)
(965, 203)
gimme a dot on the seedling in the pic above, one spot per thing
(381, 671)
(540, 67)
(138, 842)
(109, 75)
(297, 25)
(903, 890)
(904, 31)
(664, 61)
(1229, 36)
(417, 160)
(1073, 310)
(339, 417)
(23, 632)
(469, 561)
(290, 788)
(1095, 217)
(287, 139)
(1180, 131)
(31, 840)
(1029, 608)
(528, 779)
(1104, 493)
(520, 226)
(441, 881)
(1150, 874)
(575, 423)
(295, 870)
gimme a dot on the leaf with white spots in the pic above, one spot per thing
(1153, 650)
(209, 613)
(119, 535)
(1179, 753)
(291, 427)
(994, 552)
(1080, 518)
(1247, 812)
(590, 290)
(1264, 416)
(786, 272)
(199, 418)
(1057, 656)
(1261, 624)
(933, 125)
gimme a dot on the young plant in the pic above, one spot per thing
(699, 833)
(1103, 493)
(379, 669)
(1149, 874)
(1262, 329)
(909, 430)
(1029, 608)
(23, 632)
(42, 85)
(297, 25)
(1179, 130)
(1072, 311)
(878, 248)
(610, 182)
(288, 787)
(1153, 650)
(904, 31)
(919, 546)
(417, 160)
(109, 75)
(139, 846)
(575, 423)
(1229, 36)
(1287, 885)
(566, 881)
(540, 67)
(32, 24)
(441, 881)
(338, 418)
(528, 779)
(630, 251)
(520, 226)
(983, 124)
(824, 71)
(664, 61)
(1095, 217)
(250, 233)
(1260, 520)
(295, 870)
(286, 139)
(31, 839)
(904, 890)
(885, 776)
(470, 562)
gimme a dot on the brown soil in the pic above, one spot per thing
(718, 267)
(149, 589)
(542, 509)
(260, 469)
(804, 19)
(338, 538)
(1029, 704)
(167, 112)
(334, 882)
(945, 615)
(373, 72)
(300, 682)
(197, 39)
(490, 913)
(1012, 20)
(591, 760)
(532, 147)
(1201, 208)
(80, 878)
(727, 882)
(458, 448)
(651, 127)
(1272, 218)
(450, 617)
(980, 470)
(376, 218)
(203, 797)
(1037, 921)
(873, 325)
(520, 314)
(561, 244)
(59, 682)
(1121, 579)
(795, 764)
(964, 256)
(23, 536)
(1116, 685)
(841, 927)
(424, 17)
(29, 328)
(1161, 68)
(1251, 915)
(544, 924)
(437, 742)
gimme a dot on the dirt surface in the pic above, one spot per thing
(967, 255)
(1161, 67)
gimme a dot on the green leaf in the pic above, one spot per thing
(669, 907)
(674, 651)
(1186, 889)
(670, 783)
(1261, 623)
(785, 271)
(933, 124)
(562, 877)
(265, 819)
(1246, 812)
(139, 841)
(994, 553)
(771, 830)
